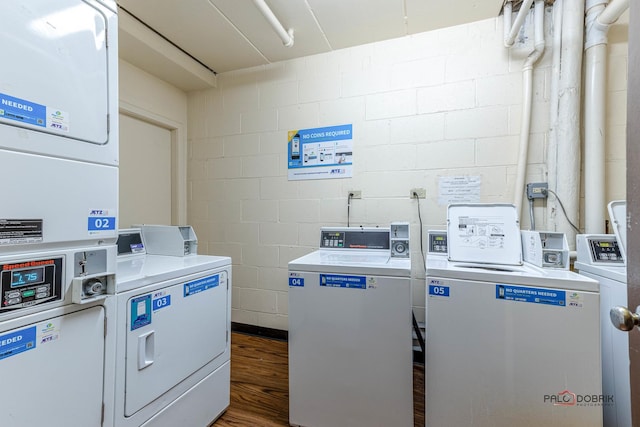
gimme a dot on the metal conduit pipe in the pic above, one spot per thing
(527, 102)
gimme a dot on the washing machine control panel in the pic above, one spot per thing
(355, 238)
(605, 251)
(30, 282)
(438, 242)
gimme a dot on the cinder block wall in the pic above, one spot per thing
(442, 103)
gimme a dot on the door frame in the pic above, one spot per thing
(178, 157)
(633, 201)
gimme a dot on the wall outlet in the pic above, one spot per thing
(537, 190)
(421, 192)
(355, 194)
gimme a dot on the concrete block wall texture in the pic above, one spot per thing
(442, 103)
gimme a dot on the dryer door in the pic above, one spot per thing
(172, 332)
(57, 78)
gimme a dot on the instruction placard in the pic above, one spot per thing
(320, 153)
(458, 189)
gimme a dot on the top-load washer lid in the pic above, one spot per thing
(353, 262)
(618, 215)
(484, 233)
(520, 275)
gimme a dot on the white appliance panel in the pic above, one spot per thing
(491, 362)
(68, 200)
(350, 353)
(615, 354)
(60, 377)
(210, 396)
(185, 332)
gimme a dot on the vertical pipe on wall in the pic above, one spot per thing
(527, 102)
(567, 132)
(552, 141)
(598, 21)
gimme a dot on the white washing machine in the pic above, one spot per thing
(350, 331)
(507, 343)
(602, 257)
(173, 337)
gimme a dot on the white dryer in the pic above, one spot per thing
(350, 332)
(602, 257)
(173, 337)
(507, 343)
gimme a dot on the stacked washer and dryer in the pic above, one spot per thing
(58, 224)
(87, 337)
(603, 257)
(507, 342)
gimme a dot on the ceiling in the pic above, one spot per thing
(226, 35)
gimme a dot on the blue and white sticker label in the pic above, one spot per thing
(343, 281)
(531, 295)
(100, 221)
(31, 113)
(201, 285)
(17, 342)
(296, 282)
(140, 312)
(437, 289)
(23, 111)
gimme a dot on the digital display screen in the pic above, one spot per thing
(439, 238)
(31, 276)
(605, 244)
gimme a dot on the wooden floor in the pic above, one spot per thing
(260, 384)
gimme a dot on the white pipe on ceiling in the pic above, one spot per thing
(285, 35)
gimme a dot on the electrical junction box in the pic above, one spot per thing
(545, 249)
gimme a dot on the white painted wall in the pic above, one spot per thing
(442, 103)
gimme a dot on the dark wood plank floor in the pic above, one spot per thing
(260, 384)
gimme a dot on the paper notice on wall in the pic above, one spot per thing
(459, 189)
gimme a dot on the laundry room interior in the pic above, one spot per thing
(320, 213)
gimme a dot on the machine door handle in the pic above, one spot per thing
(146, 349)
(623, 318)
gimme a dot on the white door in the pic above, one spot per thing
(145, 172)
(633, 204)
